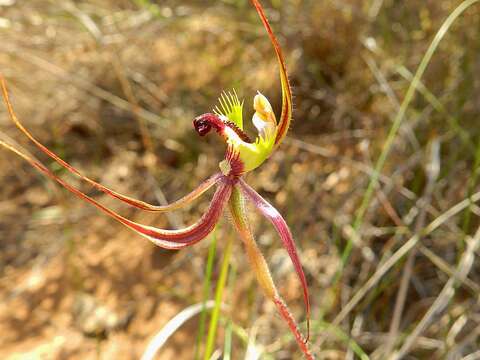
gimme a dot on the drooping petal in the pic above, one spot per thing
(283, 231)
(240, 221)
(187, 199)
(168, 239)
(239, 217)
(286, 115)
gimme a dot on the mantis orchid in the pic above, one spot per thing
(232, 192)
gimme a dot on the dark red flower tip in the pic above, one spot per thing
(204, 123)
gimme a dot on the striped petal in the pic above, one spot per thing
(283, 231)
(240, 221)
(168, 239)
(202, 188)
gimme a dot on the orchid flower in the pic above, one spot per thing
(243, 155)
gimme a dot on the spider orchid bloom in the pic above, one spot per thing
(243, 154)
(232, 192)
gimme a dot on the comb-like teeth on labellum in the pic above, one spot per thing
(226, 121)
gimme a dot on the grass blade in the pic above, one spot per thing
(218, 300)
(414, 84)
(207, 281)
(173, 325)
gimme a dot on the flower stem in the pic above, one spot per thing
(218, 300)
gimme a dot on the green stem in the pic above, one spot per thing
(227, 348)
(206, 293)
(218, 300)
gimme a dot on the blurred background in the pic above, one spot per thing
(112, 86)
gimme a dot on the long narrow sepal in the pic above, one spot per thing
(168, 239)
(283, 231)
(286, 115)
(187, 199)
(288, 317)
(260, 266)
